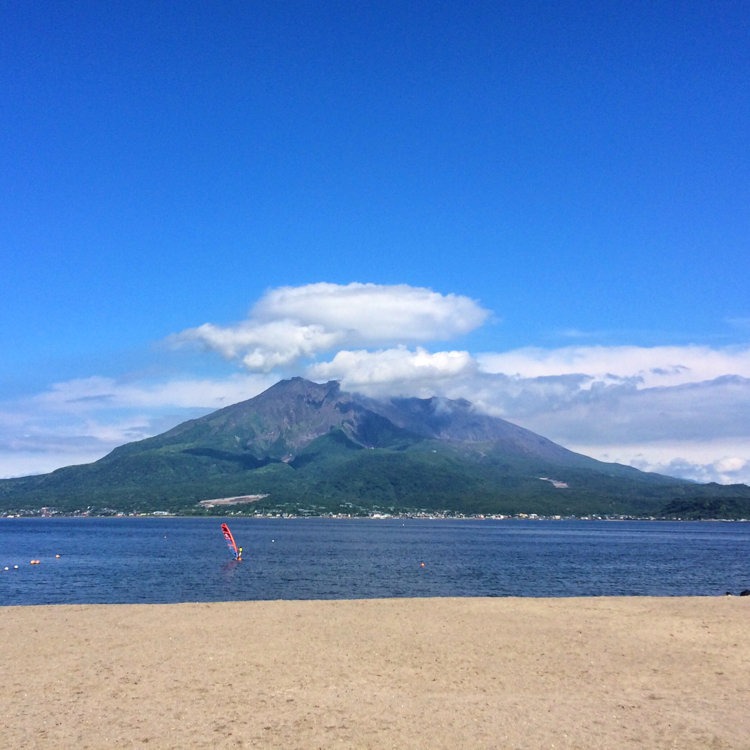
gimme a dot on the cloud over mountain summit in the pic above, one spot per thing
(683, 410)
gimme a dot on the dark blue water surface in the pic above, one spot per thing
(134, 560)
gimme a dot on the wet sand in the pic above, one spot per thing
(396, 673)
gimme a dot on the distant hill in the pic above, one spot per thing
(312, 448)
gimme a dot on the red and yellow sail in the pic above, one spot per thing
(229, 539)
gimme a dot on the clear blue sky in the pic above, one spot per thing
(580, 170)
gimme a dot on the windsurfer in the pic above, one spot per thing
(229, 539)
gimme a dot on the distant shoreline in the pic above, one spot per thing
(370, 517)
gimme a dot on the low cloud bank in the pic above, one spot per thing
(696, 430)
(80, 421)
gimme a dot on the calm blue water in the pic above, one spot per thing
(180, 559)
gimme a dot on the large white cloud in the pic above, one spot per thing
(373, 313)
(293, 323)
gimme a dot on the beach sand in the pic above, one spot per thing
(394, 673)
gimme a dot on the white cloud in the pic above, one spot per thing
(644, 366)
(699, 460)
(293, 323)
(262, 346)
(729, 464)
(81, 420)
(95, 393)
(393, 370)
(373, 313)
(622, 413)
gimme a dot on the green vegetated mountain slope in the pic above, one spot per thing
(313, 448)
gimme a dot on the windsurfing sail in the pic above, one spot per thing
(229, 539)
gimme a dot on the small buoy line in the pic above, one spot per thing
(31, 562)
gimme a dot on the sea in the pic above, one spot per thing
(162, 560)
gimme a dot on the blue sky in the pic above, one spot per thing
(543, 207)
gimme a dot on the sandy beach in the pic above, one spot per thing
(397, 673)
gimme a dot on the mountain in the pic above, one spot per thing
(312, 448)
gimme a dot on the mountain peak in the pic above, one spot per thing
(297, 386)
